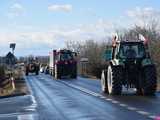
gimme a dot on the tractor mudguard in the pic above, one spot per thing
(116, 62)
(146, 62)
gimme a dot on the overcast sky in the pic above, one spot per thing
(38, 26)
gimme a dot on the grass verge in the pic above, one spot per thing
(20, 86)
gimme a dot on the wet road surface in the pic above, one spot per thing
(76, 99)
(81, 99)
(18, 108)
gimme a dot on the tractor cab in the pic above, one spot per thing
(131, 50)
(64, 63)
(66, 55)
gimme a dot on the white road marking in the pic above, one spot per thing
(33, 99)
(123, 105)
(30, 109)
(108, 99)
(12, 115)
(131, 108)
(152, 116)
(84, 90)
(9, 115)
(102, 97)
(144, 113)
(114, 101)
(25, 117)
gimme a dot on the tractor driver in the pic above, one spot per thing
(130, 52)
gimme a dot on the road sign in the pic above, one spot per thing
(84, 60)
(13, 45)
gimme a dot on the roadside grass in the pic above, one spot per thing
(19, 86)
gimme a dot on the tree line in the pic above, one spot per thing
(94, 50)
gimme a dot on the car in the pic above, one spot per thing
(42, 69)
(46, 70)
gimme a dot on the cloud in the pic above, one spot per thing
(143, 12)
(60, 8)
(143, 16)
(41, 42)
(16, 10)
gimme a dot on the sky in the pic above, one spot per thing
(39, 26)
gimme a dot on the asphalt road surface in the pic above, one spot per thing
(76, 99)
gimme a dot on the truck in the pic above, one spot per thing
(32, 66)
(63, 63)
(129, 64)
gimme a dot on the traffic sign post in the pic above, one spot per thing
(12, 46)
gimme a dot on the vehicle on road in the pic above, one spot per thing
(32, 67)
(63, 63)
(46, 69)
(129, 65)
(42, 68)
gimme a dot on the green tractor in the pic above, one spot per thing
(129, 65)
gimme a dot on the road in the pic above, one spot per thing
(76, 99)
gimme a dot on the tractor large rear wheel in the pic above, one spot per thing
(150, 80)
(114, 80)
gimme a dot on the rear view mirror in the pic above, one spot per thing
(108, 54)
(74, 54)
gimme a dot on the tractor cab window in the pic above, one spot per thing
(132, 50)
(66, 56)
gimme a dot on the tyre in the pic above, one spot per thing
(104, 85)
(37, 72)
(74, 76)
(150, 80)
(51, 72)
(114, 80)
(26, 73)
(36, 69)
(57, 73)
(74, 73)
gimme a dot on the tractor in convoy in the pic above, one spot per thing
(129, 65)
(63, 63)
(32, 66)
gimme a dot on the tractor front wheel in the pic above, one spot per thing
(104, 85)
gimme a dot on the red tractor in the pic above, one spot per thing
(63, 63)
